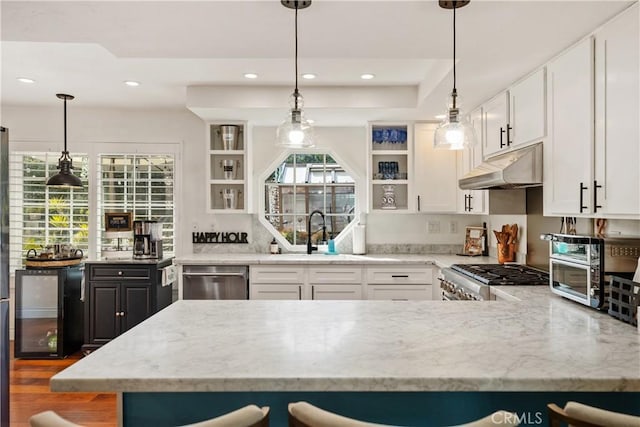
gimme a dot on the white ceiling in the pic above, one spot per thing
(88, 48)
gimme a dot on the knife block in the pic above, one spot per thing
(506, 252)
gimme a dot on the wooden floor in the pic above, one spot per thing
(30, 394)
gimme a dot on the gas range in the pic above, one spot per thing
(472, 282)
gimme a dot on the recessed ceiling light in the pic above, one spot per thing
(25, 80)
(440, 116)
(131, 83)
(250, 76)
(367, 76)
(309, 76)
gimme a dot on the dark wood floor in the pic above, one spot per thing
(30, 394)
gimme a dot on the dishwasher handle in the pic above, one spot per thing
(214, 274)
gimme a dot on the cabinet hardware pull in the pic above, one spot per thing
(117, 313)
(418, 203)
(509, 128)
(313, 292)
(465, 202)
(400, 275)
(582, 188)
(502, 144)
(213, 274)
(299, 292)
(470, 207)
(122, 313)
(119, 273)
(595, 196)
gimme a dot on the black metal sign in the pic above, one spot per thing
(219, 237)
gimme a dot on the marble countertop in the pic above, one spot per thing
(541, 343)
(123, 261)
(297, 259)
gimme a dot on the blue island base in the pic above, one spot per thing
(422, 409)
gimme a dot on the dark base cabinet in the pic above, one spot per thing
(119, 296)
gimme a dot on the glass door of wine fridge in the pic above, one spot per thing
(48, 321)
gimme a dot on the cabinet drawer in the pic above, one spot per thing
(399, 292)
(400, 274)
(115, 272)
(335, 274)
(275, 292)
(341, 292)
(276, 274)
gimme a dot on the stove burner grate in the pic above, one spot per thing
(503, 275)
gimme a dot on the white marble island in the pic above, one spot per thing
(405, 348)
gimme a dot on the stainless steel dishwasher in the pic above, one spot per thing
(215, 282)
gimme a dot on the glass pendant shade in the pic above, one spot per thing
(295, 131)
(65, 178)
(454, 133)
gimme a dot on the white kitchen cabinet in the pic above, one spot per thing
(472, 201)
(276, 282)
(593, 170)
(617, 138)
(335, 282)
(227, 183)
(495, 115)
(435, 176)
(568, 150)
(516, 117)
(399, 283)
(261, 291)
(527, 110)
(276, 274)
(343, 291)
(389, 167)
(399, 292)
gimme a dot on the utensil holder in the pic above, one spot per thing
(506, 252)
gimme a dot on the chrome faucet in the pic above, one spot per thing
(311, 248)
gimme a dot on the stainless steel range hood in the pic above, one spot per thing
(517, 169)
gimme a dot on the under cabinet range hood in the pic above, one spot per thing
(516, 169)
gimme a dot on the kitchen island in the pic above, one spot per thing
(379, 360)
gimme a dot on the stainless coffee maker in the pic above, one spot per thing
(147, 239)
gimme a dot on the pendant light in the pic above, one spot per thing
(295, 131)
(455, 132)
(65, 178)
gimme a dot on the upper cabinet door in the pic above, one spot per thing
(617, 142)
(568, 151)
(472, 201)
(527, 116)
(495, 113)
(435, 178)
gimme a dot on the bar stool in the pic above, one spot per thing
(304, 414)
(248, 416)
(579, 415)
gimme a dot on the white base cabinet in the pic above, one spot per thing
(262, 291)
(340, 282)
(343, 291)
(399, 292)
(399, 283)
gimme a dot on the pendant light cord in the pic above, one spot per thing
(295, 92)
(454, 94)
(65, 126)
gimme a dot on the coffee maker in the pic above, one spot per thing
(147, 239)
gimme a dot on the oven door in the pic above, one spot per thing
(577, 282)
